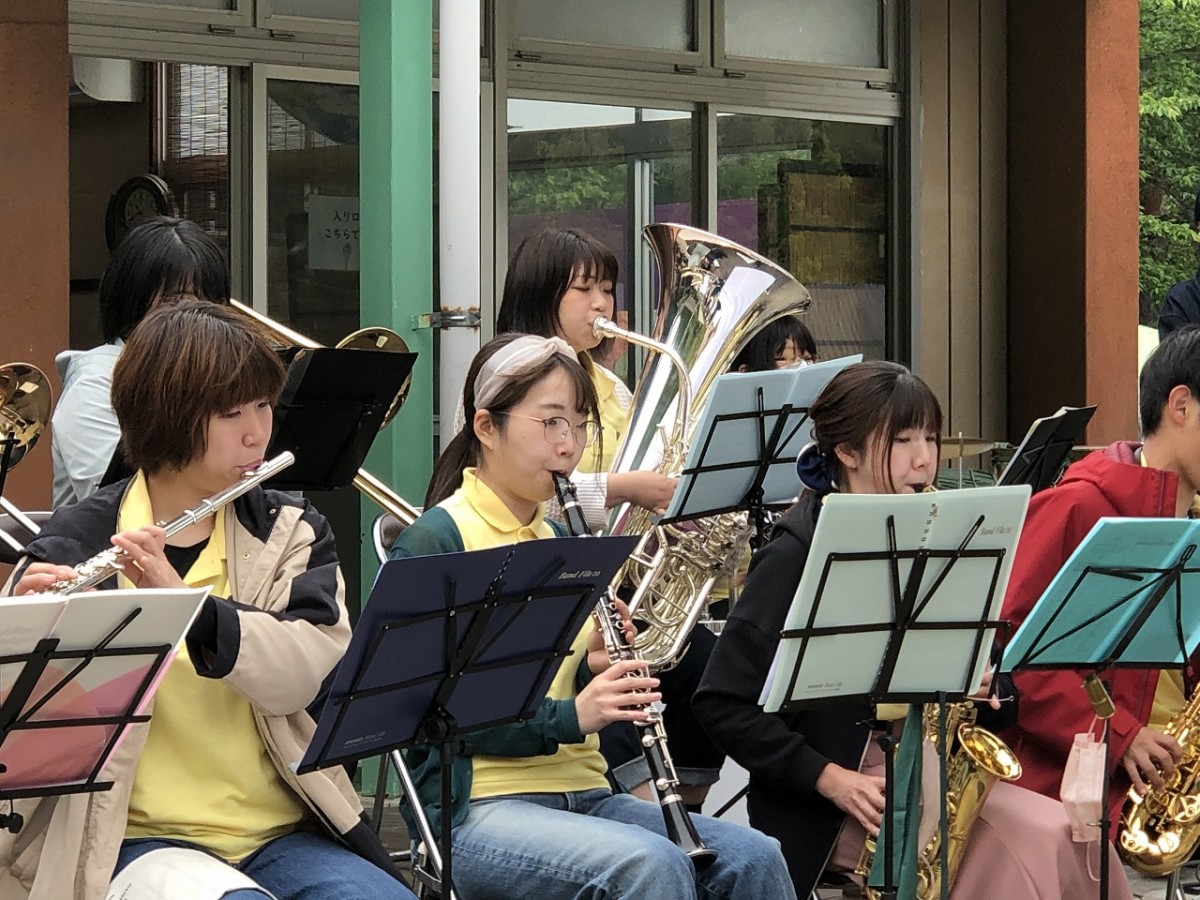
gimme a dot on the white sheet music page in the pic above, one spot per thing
(855, 598)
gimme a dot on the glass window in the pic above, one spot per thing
(813, 197)
(661, 25)
(189, 4)
(338, 10)
(608, 170)
(832, 32)
(312, 207)
(195, 153)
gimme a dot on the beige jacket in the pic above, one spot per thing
(282, 563)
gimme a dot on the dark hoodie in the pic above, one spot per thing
(786, 752)
(1054, 706)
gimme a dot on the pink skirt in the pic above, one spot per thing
(1020, 849)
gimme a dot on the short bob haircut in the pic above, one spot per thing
(763, 349)
(465, 449)
(160, 258)
(540, 273)
(186, 362)
(1175, 361)
(866, 405)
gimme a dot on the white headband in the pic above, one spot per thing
(516, 358)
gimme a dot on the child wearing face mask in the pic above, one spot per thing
(533, 812)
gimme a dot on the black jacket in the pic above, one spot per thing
(783, 752)
(1181, 306)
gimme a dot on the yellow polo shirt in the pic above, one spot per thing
(484, 522)
(204, 775)
(614, 418)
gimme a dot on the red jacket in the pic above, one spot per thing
(1054, 706)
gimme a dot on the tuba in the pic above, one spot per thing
(1159, 831)
(977, 760)
(716, 295)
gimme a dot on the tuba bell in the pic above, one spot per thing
(716, 295)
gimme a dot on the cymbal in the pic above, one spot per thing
(956, 446)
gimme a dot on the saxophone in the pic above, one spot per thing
(679, 826)
(716, 295)
(1159, 831)
(977, 760)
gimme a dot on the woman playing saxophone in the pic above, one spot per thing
(876, 430)
(204, 794)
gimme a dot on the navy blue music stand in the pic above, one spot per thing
(1128, 597)
(458, 642)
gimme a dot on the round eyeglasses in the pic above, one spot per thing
(557, 429)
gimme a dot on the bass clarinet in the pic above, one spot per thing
(653, 737)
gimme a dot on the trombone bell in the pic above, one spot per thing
(25, 398)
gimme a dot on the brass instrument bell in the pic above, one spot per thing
(25, 399)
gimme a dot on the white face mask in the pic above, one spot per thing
(1082, 790)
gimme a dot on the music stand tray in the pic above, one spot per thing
(909, 588)
(330, 409)
(1128, 597)
(75, 673)
(457, 642)
(747, 441)
(1045, 447)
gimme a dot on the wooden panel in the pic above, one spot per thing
(932, 351)
(33, 194)
(962, 413)
(993, 223)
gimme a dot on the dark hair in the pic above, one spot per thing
(870, 397)
(1196, 211)
(160, 258)
(1175, 361)
(540, 272)
(760, 353)
(464, 450)
(184, 363)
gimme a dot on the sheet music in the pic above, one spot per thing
(1104, 604)
(735, 442)
(861, 592)
(105, 686)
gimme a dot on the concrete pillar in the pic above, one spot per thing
(34, 272)
(1073, 203)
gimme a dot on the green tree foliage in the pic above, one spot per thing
(1169, 107)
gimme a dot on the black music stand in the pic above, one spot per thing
(748, 438)
(26, 771)
(1045, 447)
(926, 611)
(331, 407)
(458, 642)
(1128, 597)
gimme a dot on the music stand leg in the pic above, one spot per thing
(887, 743)
(1104, 812)
(440, 728)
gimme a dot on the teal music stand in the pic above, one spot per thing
(1128, 597)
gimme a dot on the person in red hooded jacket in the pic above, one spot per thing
(1156, 478)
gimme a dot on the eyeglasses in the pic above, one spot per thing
(557, 429)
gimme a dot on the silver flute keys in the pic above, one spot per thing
(652, 736)
(107, 563)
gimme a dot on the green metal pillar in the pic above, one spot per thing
(396, 217)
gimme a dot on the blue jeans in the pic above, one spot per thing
(594, 845)
(298, 866)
